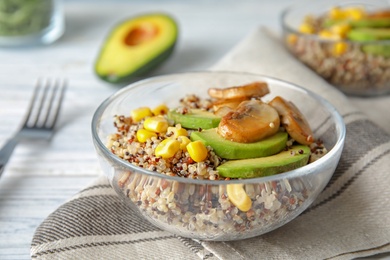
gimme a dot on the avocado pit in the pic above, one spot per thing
(141, 33)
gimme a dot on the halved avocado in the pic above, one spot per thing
(135, 47)
(234, 150)
(284, 161)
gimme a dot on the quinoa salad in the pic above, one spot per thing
(355, 63)
(169, 148)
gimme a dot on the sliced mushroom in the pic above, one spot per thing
(252, 121)
(231, 103)
(222, 111)
(254, 89)
(293, 120)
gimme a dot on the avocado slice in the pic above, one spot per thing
(233, 150)
(377, 22)
(377, 49)
(136, 46)
(195, 119)
(371, 22)
(368, 34)
(284, 161)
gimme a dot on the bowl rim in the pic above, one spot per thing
(290, 29)
(285, 175)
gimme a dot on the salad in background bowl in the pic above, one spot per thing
(345, 42)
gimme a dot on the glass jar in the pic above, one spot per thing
(30, 22)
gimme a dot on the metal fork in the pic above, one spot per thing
(41, 117)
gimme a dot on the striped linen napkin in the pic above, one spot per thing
(349, 219)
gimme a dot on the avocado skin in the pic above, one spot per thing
(266, 166)
(195, 119)
(233, 150)
(147, 67)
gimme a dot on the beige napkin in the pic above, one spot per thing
(349, 219)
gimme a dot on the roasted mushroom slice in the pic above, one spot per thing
(293, 120)
(251, 90)
(252, 121)
(223, 111)
(231, 103)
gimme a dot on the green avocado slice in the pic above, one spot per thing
(136, 46)
(195, 119)
(377, 49)
(233, 150)
(368, 34)
(284, 161)
(363, 23)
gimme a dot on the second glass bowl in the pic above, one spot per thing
(345, 64)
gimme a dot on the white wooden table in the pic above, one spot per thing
(40, 177)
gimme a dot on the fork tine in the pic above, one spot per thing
(60, 86)
(32, 102)
(42, 102)
(51, 98)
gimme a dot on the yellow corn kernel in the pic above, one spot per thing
(340, 48)
(340, 29)
(306, 28)
(177, 131)
(197, 150)
(156, 124)
(325, 34)
(184, 141)
(292, 38)
(354, 13)
(143, 135)
(238, 196)
(336, 13)
(160, 110)
(167, 148)
(140, 113)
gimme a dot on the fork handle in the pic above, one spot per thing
(6, 152)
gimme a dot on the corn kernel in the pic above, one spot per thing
(340, 29)
(167, 148)
(292, 38)
(160, 110)
(336, 13)
(197, 150)
(354, 13)
(340, 48)
(156, 124)
(177, 131)
(325, 34)
(140, 113)
(184, 141)
(306, 28)
(238, 196)
(143, 135)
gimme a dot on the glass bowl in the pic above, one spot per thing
(200, 209)
(28, 23)
(355, 68)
